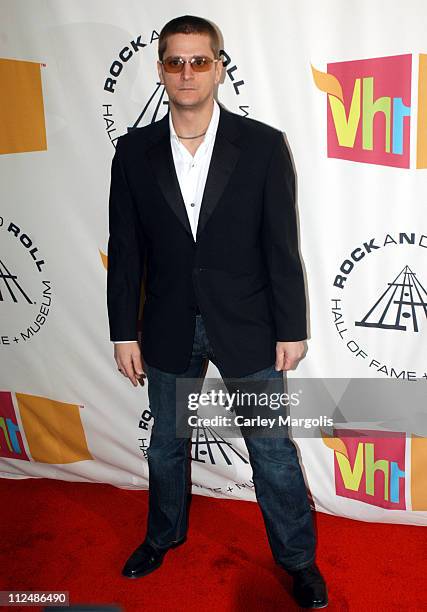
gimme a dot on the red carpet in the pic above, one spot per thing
(71, 536)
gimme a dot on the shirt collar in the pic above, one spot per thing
(212, 127)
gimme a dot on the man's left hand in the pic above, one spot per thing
(288, 355)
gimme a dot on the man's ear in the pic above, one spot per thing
(159, 71)
(219, 68)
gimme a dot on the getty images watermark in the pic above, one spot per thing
(230, 402)
(248, 407)
(304, 407)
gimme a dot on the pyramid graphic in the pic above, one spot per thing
(11, 286)
(402, 306)
(208, 444)
(153, 106)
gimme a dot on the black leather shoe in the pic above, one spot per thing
(309, 588)
(145, 559)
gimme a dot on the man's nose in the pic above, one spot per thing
(187, 71)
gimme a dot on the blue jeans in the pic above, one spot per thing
(278, 481)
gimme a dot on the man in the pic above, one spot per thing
(206, 198)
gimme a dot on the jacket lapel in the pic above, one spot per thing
(223, 161)
(161, 159)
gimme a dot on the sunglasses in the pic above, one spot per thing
(198, 63)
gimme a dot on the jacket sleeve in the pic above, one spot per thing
(280, 244)
(126, 251)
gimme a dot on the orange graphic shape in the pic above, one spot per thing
(53, 430)
(336, 444)
(21, 107)
(104, 259)
(328, 83)
(419, 473)
(422, 113)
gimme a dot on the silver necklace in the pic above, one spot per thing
(191, 137)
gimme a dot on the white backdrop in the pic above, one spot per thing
(66, 412)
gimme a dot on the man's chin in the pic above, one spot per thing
(187, 102)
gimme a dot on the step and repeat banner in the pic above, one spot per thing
(347, 84)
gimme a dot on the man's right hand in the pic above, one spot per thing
(129, 361)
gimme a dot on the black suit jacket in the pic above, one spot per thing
(243, 271)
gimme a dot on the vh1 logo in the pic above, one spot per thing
(370, 466)
(369, 110)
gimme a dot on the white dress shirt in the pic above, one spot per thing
(192, 171)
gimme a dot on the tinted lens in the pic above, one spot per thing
(201, 64)
(173, 64)
(176, 64)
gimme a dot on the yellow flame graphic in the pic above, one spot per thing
(327, 83)
(334, 443)
(104, 259)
